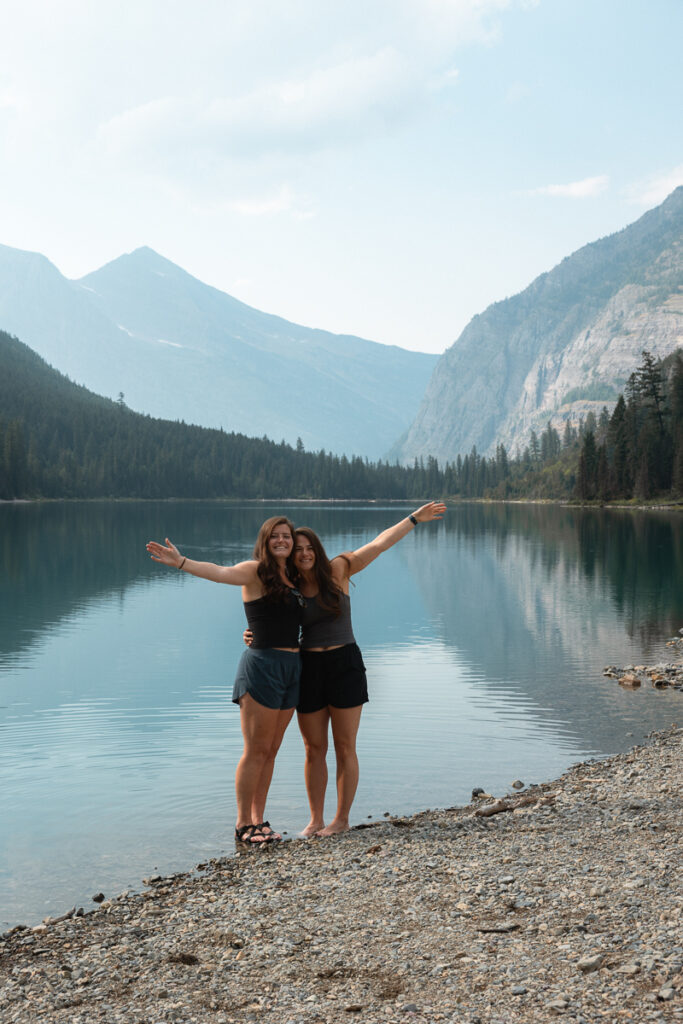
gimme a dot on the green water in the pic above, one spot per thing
(484, 637)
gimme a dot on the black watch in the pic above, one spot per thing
(413, 520)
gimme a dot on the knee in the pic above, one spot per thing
(273, 749)
(315, 750)
(259, 751)
(345, 750)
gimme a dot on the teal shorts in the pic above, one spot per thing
(270, 677)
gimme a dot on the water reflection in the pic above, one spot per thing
(484, 635)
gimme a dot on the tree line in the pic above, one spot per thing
(59, 440)
(637, 452)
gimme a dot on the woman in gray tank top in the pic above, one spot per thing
(333, 688)
(333, 685)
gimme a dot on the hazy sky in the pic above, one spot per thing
(385, 168)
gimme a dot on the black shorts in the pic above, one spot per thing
(335, 678)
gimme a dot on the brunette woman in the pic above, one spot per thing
(333, 681)
(267, 682)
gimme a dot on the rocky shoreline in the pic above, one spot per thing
(561, 900)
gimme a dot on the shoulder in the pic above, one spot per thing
(251, 565)
(341, 565)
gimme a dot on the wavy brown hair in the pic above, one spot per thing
(268, 570)
(329, 594)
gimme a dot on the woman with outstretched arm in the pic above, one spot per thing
(333, 680)
(267, 682)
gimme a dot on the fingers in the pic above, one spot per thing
(158, 553)
(432, 510)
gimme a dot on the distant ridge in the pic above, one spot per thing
(60, 440)
(562, 347)
(180, 349)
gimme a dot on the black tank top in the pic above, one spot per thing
(274, 623)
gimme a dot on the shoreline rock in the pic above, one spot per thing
(569, 904)
(660, 676)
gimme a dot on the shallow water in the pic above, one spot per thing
(484, 637)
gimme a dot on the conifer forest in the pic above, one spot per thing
(59, 440)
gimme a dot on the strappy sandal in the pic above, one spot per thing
(270, 835)
(247, 835)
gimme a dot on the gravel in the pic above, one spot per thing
(566, 902)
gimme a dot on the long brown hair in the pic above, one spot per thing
(268, 568)
(329, 594)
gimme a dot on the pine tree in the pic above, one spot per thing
(586, 483)
(534, 447)
(617, 439)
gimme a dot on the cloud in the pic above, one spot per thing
(654, 190)
(356, 78)
(347, 100)
(282, 201)
(584, 189)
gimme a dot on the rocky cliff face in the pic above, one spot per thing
(566, 344)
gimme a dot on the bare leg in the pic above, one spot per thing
(314, 728)
(345, 722)
(260, 726)
(258, 804)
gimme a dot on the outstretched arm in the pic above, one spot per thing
(358, 560)
(239, 575)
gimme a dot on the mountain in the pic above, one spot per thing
(60, 440)
(564, 346)
(180, 349)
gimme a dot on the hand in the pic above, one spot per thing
(167, 554)
(248, 637)
(432, 510)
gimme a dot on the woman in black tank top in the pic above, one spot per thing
(267, 684)
(333, 683)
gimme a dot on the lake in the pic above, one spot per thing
(484, 635)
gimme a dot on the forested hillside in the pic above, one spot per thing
(180, 349)
(638, 452)
(57, 439)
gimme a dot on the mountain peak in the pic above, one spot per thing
(143, 258)
(560, 348)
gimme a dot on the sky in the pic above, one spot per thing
(384, 168)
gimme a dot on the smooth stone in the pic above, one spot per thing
(490, 809)
(630, 682)
(591, 963)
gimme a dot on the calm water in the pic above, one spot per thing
(484, 636)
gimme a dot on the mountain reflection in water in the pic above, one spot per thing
(484, 635)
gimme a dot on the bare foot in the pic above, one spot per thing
(312, 829)
(334, 828)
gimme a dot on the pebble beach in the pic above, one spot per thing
(560, 900)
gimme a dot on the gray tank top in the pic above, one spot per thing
(321, 629)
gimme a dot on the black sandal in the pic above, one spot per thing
(271, 836)
(247, 835)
